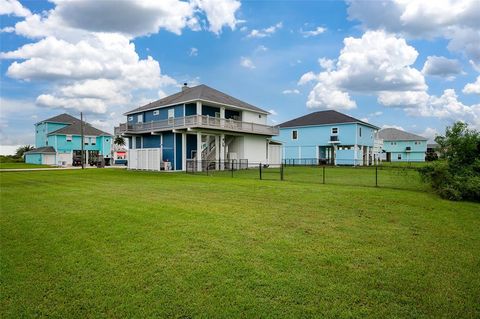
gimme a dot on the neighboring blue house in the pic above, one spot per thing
(330, 137)
(58, 141)
(401, 146)
(200, 127)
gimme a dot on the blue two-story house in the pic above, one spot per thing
(401, 146)
(328, 137)
(198, 127)
(58, 141)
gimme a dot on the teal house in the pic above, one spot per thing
(58, 142)
(401, 146)
(328, 137)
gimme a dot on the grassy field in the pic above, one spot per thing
(116, 243)
(22, 165)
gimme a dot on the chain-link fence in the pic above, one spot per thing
(388, 175)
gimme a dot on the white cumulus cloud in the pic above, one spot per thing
(472, 88)
(291, 91)
(456, 21)
(262, 33)
(312, 33)
(84, 48)
(442, 67)
(247, 63)
(376, 62)
(219, 13)
(13, 7)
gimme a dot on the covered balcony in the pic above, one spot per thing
(196, 121)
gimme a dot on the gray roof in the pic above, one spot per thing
(323, 118)
(393, 134)
(199, 92)
(42, 150)
(74, 127)
(62, 118)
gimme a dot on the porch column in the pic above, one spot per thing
(199, 108)
(184, 151)
(368, 156)
(335, 154)
(222, 151)
(217, 151)
(355, 155)
(199, 151)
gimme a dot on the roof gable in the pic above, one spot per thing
(62, 118)
(73, 126)
(323, 118)
(200, 92)
(393, 134)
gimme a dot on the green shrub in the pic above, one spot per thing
(457, 176)
(10, 159)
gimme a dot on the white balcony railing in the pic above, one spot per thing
(197, 121)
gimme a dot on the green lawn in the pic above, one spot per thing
(117, 243)
(22, 165)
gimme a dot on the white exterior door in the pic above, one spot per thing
(274, 154)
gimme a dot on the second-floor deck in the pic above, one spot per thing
(197, 121)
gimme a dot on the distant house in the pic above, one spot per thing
(58, 141)
(119, 155)
(401, 146)
(200, 127)
(433, 153)
(328, 136)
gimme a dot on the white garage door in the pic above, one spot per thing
(64, 159)
(48, 159)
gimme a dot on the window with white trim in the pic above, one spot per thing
(130, 118)
(399, 156)
(69, 138)
(334, 130)
(156, 112)
(140, 118)
(171, 113)
(86, 140)
(294, 135)
(93, 140)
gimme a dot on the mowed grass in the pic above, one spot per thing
(117, 243)
(22, 165)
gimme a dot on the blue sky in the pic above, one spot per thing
(414, 66)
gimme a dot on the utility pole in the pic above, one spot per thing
(81, 141)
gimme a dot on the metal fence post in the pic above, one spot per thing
(281, 171)
(323, 174)
(207, 168)
(376, 176)
(260, 170)
(231, 166)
